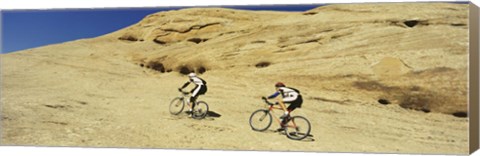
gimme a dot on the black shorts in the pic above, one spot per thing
(202, 91)
(295, 104)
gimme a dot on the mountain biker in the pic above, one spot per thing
(200, 88)
(289, 95)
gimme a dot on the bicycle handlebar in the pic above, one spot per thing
(266, 101)
(181, 91)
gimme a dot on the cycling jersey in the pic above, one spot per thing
(199, 89)
(197, 81)
(288, 94)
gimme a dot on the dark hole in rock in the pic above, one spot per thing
(201, 70)
(262, 64)
(410, 23)
(383, 101)
(169, 70)
(197, 40)
(141, 65)
(147, 66)
(128, 38)
(335, 36)
(311, 41)
(458, 24)
(159, 41)
(309, 13)
(259, 41)
(158, 66)
(55, 106)
(426, 110)
(460, 114)
(184, 70)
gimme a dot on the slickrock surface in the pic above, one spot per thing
(347, 59)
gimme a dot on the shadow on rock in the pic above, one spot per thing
(213, 114)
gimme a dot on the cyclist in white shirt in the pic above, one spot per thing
(200, 88)
(290, 96)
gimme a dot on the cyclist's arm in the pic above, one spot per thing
(273, 95)
(186, 84)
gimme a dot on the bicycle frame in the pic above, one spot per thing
(271, 108)
(178, 104)
(295, 127)
(185, 97)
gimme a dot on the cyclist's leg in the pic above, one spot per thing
(202, 90)
(194, 96)
(288, 100)
(281, 102)
(193, 100)
(284, 119)
(293, 105)
(283, 122)
(199, 90)
(297, 103)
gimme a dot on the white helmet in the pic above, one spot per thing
(192, 75)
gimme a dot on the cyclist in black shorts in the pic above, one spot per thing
(290, 96)
(200, 88)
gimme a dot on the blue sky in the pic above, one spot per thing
(24, 29)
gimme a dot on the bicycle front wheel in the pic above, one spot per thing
(200, 110)
(176, 105)
(298, 128)
(260, 120)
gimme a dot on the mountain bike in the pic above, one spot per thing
(296, 127)
(177, 105)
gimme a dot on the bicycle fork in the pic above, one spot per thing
(264, 116)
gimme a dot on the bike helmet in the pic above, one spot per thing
(192, 75)
(279, 84)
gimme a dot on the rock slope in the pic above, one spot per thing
(380, 77)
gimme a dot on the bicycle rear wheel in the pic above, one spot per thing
(298, 128)
(260, 120)
(200, 110)
(176, 105)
